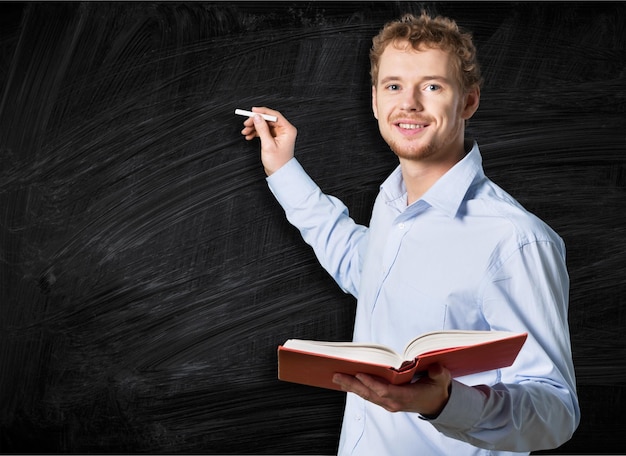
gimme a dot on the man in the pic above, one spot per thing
(445, 249)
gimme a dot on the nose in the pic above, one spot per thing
(411, 101)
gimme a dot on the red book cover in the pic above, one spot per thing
(314, 369)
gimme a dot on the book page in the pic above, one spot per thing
(439, 340)
(369, 353)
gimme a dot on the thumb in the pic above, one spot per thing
(438, 373)
(262, 128)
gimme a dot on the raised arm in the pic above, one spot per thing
(323, 220)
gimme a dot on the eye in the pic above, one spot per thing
(393, 87)
(433, 87)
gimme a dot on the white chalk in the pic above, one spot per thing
(243, 112)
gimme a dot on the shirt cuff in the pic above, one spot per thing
(464, 406)
(291, 185)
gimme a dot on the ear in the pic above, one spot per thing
(472, 100)
(374, 106)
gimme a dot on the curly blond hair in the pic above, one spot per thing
(438, 32)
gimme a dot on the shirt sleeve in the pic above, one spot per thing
(323, 222)
(534, 406)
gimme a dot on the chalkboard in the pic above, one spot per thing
(146, 273)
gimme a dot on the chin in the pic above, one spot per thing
(415, 152)
(415, 149)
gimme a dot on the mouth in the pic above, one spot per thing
(410, 127)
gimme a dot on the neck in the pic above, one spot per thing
(420, 176)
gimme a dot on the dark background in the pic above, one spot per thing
(146, 273)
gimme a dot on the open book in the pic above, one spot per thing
(313, 363)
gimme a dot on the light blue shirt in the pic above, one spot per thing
(464, 256)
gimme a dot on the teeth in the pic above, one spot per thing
(410, 126)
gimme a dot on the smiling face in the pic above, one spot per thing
(419, 104)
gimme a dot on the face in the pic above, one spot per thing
(419, 104)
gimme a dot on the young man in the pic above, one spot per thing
(445, 249)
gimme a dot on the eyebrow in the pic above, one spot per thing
(423, 79)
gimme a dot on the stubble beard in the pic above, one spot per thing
(413, 151)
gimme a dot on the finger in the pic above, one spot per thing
(368, 388)
(351, 384)
(249, 132)
(378, 387)
(343, 379)
(262, 129)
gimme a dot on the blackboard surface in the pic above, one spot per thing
(146, 273)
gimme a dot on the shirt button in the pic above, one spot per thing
(401, 226)
(357, 417)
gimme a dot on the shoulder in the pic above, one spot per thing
(521, 225)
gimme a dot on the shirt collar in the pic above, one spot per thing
(447, 194)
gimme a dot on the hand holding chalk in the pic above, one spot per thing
(278, 139)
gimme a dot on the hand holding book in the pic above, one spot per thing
(427, 395)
